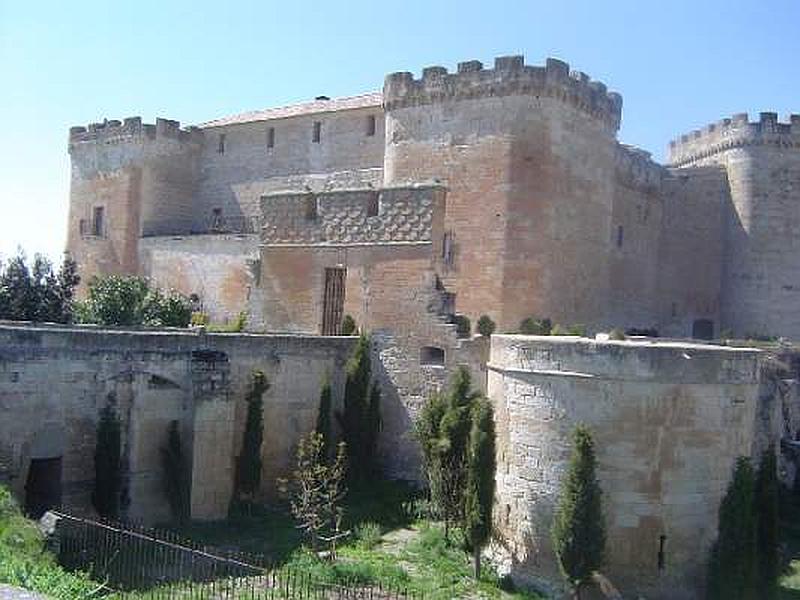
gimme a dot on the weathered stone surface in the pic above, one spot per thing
(668, 420)
(55, 380)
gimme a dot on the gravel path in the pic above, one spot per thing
(13, 593)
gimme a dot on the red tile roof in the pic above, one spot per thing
(372, 99)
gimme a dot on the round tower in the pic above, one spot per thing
(527, 155)
(761, 270)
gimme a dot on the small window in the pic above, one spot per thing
(373, 204)
(221, 145)
(662, 542)
(316, 135)
(271, 137)
(216, 219)
(98, 221)
(311, 208)
(371, 125)
(431, 356)
(620, 234)
(447, 248)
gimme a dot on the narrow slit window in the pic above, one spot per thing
(620, 234)
(83, 228)
(98, 221)
(221, 145)
(370, 125)
(373, 204)
(311, 208)
(271, 137)
(316, 134)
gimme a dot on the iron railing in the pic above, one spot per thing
(139, 562)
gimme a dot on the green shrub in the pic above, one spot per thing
(533, 326)
(486, 326)
(577, 330)
(368, 534)
(616, 335)
(130, 301)
(349, 326)
(199, 319)
(463, 325)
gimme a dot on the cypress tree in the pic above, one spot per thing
(732, 567)
(358, 419)
(107, 464)
(480, 481)
(767, 540)
(248, 475)
(323, 427)
(578, 528)
(443, 431)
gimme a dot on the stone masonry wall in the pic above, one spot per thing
(668, 421)
(235, 180)
(55, 380)
(760, 273)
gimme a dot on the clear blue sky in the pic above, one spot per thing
(677, 64)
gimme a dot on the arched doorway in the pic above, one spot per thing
(43, 484)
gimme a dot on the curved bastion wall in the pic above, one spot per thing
(668, 419)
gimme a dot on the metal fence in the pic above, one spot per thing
(139, 562)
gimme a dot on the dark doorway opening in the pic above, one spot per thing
(43, 486)
(703, 329)
(333, 301)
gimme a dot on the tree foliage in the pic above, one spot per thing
(533, 326)
(35, 292)
(248, 467)
(443, 431)
(767, 539)
(130, 301)
(578, 530)
(349, 326)
(316, 490)
(107, 464)
(732, 565)
(360, 418)
(480, 480)
(486, 326)
(176, 474)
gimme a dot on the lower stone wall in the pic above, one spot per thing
(668, 420)
(55, 380)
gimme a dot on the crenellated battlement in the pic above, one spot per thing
(733, 133)
(133, 128)
(510, 76)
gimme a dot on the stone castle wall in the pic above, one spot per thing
(506, 141)
(668, 421)
(760, 273)
(55, 380)
(234, 180)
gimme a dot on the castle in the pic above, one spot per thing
(499, 191)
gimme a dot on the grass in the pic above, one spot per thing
(790, 530)
(390, 546)
(25, 563)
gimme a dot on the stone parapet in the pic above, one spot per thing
(635, 168)
(510, 76)
(734, 132)
(132, 128)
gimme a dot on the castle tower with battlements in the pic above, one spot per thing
(544, 212)
(501, 191)
(761, 225)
